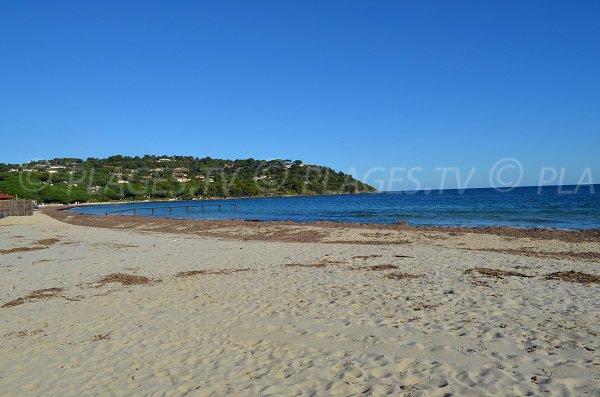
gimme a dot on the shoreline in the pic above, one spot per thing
(542, 243)
(154, 200)
(558, 223)
(509, 231)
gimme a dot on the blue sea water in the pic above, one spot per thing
(564, 207)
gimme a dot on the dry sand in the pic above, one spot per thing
(165, 308)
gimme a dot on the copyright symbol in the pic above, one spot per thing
(29, 184)
(506, 174)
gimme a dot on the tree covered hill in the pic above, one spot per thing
(67, 180)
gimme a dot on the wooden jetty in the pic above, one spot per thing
(171, 209)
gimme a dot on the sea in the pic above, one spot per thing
(556, 207)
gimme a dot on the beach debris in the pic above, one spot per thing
(114, 245)
(24, 333)
(43, 261)
(297, 264)
(424, 306)
(497, 272)
(380, 268)
(328, 261)
(73, 298)
(574, 277)
(48, 241)
(207, 272)
(125, 279)
(376, 234)
(402, 276)
(365, 257)
(324, 262)
(99, 337)
(39, 294)
(479, 283)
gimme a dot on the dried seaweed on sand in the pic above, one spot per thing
(365, 257)
(380, 268)
(20, 249)
(497, 272)
(574, 277)
(124, 279)
(48, 241)
(206, 272)
(33, 296)
(401, 276)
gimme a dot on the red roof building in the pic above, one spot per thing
(6, 196)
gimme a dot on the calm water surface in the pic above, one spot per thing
(551, 207)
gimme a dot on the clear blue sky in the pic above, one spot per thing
(349, 84)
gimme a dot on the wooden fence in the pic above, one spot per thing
(16, 208)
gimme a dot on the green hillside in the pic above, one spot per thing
(67, 180)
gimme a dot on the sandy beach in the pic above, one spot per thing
(134, 306)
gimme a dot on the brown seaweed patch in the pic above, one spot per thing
(20, 249)
(380, 268)
(574, 277)
(125, 279)
(331, 262)
(589, 256)
(206, 272)
(114, 245)
(365, 257)
(39, 294)
(401, 276)
(318, 264)
(497, 272)
(48, 241)
(323, 262)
